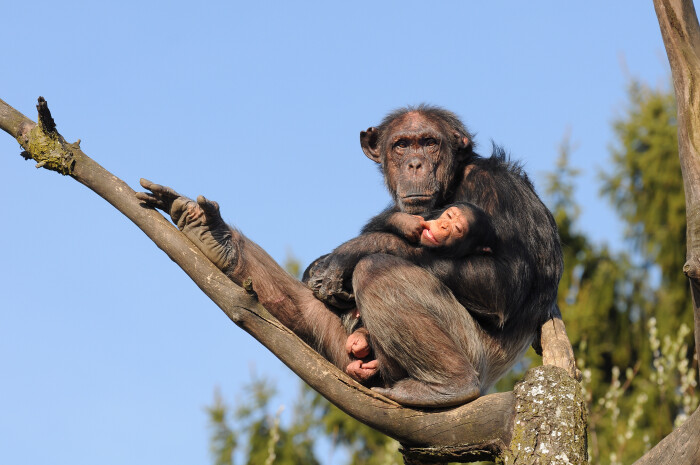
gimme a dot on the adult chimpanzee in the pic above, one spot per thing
(444, 326)
(453, 232)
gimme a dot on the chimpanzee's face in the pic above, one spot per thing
(417, 162)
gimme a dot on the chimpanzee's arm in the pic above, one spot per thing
(330, 275)
(242, 260)
(380, 222)
(402, 224)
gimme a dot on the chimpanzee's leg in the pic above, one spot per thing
(242, 260)
(428, 346)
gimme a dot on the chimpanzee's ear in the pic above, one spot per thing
(369, 140)
(463, 145)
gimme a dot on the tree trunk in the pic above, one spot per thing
(681, 35)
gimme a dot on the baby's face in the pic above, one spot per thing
(449, 228)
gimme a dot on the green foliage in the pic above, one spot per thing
(364, 445)
(617, 304)
(267, 441)
(598, 287)
(223, 440)
(646, 187)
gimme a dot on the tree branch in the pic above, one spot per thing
(475, 423)
(480, 429)
(681, 35)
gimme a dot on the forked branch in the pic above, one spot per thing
(480, 429)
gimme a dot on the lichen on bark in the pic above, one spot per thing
(549, 426)
(50, 150)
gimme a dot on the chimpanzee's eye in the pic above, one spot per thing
(401, 144)
(430, 142)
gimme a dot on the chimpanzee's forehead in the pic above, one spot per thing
(414, 123)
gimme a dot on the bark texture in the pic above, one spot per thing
(681, 35)
(550, 420)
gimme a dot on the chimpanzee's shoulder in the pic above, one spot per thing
(502, 167)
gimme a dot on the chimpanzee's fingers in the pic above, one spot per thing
(371, 365)
(150, 199)
(362, 371)
(146, 184)
(326, 287)
(332, 285)
(210, 207)
(163, 191)
(345, 295)
(146, 197)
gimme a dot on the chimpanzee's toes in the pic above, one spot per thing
(362, 371)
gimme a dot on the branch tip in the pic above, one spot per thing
(45, 119)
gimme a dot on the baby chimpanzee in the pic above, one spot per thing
(448, 233)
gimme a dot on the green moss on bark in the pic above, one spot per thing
(50, 151)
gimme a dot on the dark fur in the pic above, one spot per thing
(445, 327)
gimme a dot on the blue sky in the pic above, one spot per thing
(108, 352)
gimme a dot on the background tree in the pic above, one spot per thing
(256, 423)
(624, 309)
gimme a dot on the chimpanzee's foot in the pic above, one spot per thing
(362, 371)
(357, 344)
(200, 221)
(414, 393)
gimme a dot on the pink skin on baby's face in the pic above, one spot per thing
(449, 228)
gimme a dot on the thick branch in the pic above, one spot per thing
(549, 425)
(484, 424)
(681, 34)
(681, 447)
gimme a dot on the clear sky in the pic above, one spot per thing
(108, 353)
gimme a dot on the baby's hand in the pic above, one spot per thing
(409, 226)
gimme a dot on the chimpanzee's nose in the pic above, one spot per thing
(415, 164)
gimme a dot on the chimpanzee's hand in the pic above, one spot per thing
(200, 221)
(329, 279)
(409, 226)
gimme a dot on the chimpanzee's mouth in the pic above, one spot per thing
(416, 198)
(416, 204)
(428, 234)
